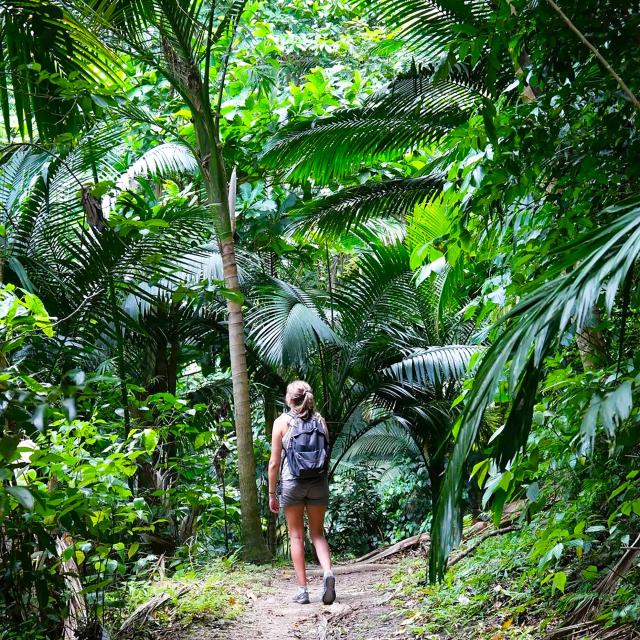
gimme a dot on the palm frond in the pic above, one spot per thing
(349, 208)
(384, 447)
(433, 366)
(414, 111)
(42, 40)
(286, 323)
(378, 288)
(166, 159)
(430, 25)
(532, 329)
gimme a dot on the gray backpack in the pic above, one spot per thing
(308, 449)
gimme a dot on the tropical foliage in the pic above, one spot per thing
(429, 210)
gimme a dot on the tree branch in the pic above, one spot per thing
(597, 54)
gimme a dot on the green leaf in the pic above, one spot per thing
(590, 573)
(231, 294)
(23, 496)
(150, 440)
(8, 446)
(559, 581)
(533, 491)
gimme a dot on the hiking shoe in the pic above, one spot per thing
(302, 597)
(328, 588)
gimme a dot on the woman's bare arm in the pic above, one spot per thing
(276, 455)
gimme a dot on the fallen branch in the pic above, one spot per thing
(605, 586)
(142, 613)
(410, 543)
(594, 631)
(471, 548)
(385, 552)
(509, 514)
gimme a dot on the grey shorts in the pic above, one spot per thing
(311, 491)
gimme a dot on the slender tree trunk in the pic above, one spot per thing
(212, 166)
(255, 549)
(192, 85)
(591, 343)
(269, 418)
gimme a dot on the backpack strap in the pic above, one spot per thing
(290, 426)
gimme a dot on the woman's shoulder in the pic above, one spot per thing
(282, 421)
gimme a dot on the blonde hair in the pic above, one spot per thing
(300, 398)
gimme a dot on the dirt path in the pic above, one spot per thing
(362, 611)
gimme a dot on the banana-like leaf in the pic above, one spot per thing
(531, 330)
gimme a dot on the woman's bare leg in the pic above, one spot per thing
(295, 524)
(316, 529)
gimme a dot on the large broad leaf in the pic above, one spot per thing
(563, 300)
(23, 496)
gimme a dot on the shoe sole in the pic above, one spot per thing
(329, 595)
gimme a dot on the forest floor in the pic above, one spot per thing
(362, 610)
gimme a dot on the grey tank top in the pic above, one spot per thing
(286, 473)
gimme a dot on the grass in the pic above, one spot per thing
(216, 591)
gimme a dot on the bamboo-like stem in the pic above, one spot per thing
(612, 72)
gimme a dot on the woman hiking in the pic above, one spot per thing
(300, 451)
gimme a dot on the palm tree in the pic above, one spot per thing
(190, 44)
(58, 243)
(464, 61)
(368, 353)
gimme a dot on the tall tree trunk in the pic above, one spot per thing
(270, 410)
(193, 86)
(212, 166)
(591, 343)
(254, 544)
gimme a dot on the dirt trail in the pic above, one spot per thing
(362, 611)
